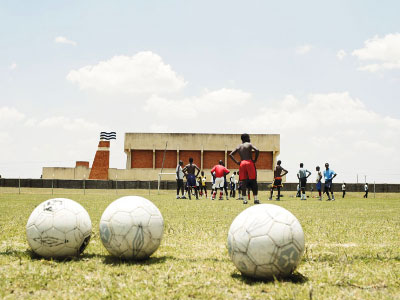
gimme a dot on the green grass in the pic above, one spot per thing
(352, 252)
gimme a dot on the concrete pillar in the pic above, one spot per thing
(154, 157)
(128, 158)
(226, 155)
(201, 157)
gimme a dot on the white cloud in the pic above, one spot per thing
(341, 54)
(64, 40)
(212, 102)
(9, 115)
(143, 73)
(303, 49)
(51, 141)
(383, 52)
(66, 123)
(31, 122)
(13, 66)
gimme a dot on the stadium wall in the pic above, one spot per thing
(145, 153)
(168, 185)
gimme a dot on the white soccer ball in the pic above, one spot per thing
(131, 227)
(266, 241)
(59, 228)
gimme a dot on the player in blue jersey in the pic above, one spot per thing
(329, 175)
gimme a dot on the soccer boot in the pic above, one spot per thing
(183, 197)
(270, 198)
(244, 201)
(256, 201)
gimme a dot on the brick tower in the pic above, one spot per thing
(101, 162)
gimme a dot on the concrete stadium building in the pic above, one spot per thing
(145, 155)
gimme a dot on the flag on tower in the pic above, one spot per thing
(108, 135)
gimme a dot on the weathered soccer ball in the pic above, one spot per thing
(59, 228)
(131, 227)
(266, 241)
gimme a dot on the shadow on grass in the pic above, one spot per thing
(28, 253)
(116, 261)
(107, 259)
(295, 277)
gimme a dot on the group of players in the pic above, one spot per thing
(196, 184)
(247, 174)
(302, 176)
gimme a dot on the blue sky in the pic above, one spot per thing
(278, 61)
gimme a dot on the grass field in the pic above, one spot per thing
(352, 252)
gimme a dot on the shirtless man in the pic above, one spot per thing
(278, 180)
(247, 168)
(189, 171)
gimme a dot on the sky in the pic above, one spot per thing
(325, 75)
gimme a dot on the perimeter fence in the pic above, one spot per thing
(169, 185)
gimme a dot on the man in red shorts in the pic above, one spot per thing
(220, 173)
(247, 168)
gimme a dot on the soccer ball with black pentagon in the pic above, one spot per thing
(131, 227)
(58, 228)
(266, 241)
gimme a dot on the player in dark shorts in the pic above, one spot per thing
(278, 180)
(318, 182)
(302, 175)
(239, 188)
(179, 179)
(225, 185)
(203, 180)
(190, 172)
(366, 188)
(343, 189)
(329, 175)
(233, 185)
(247, 169)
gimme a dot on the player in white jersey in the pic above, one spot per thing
(318, 182)
(302, 175)
(179, 179)
(233, 185)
